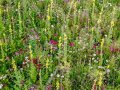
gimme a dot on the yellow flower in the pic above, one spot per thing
(31, 55)
(13, 64)
(60, 42)
(102, 42)
(57, 85)
(48, 17)
(47, 63)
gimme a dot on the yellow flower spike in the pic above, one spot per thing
(47, 63)
(48, 17)
(102, 42)
(100, 79)
(14, 65)
(65, 37)
(112, 23)
(18, 5)
(31, 55)
(48, 11)
(57, 85)
(60, 42)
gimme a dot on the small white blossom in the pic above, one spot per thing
(62, 76)
(1, 78)
(107, 70)
(1, 85)
(100, 67)
(51, 75)
(94, 54)
(26, 58)
(58, 75)
(93, 58)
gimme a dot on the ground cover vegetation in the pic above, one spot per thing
(60, 44)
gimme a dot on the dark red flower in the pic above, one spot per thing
(20, 51)
(53, 42)
(35, 60)
(55, 35)
(39, 66)
(71, 44)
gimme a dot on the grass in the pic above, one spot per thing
(59, 45)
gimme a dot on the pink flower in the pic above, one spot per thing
(113, 49)
(16, 53)
(94, 46)
(53, 42)
(71, 44)
(49, 87)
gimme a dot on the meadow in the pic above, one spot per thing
(59, 44)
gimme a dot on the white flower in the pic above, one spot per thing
(107, 70)
(62, 76)
(93, 58)
(94, 55)
(1, 85)
(52, 26)
(58, 75)
(1, 78)
(100, 67)
(51, 75)
(26, 58)
(105, 35)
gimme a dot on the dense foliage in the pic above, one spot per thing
(60, 44)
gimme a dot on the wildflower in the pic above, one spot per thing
(58, 75)
(39, 66)
(107, 70)
(62, 76)
(49, 87)
(94, 46)
(26, 58)
(94, 54)
(35, 60)
(100, 67)
(71, 44)
(51, 74)
(114, 49)
(53, 42)
(16, 53)
(57, 85)
(1, 85)
(32, 88)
